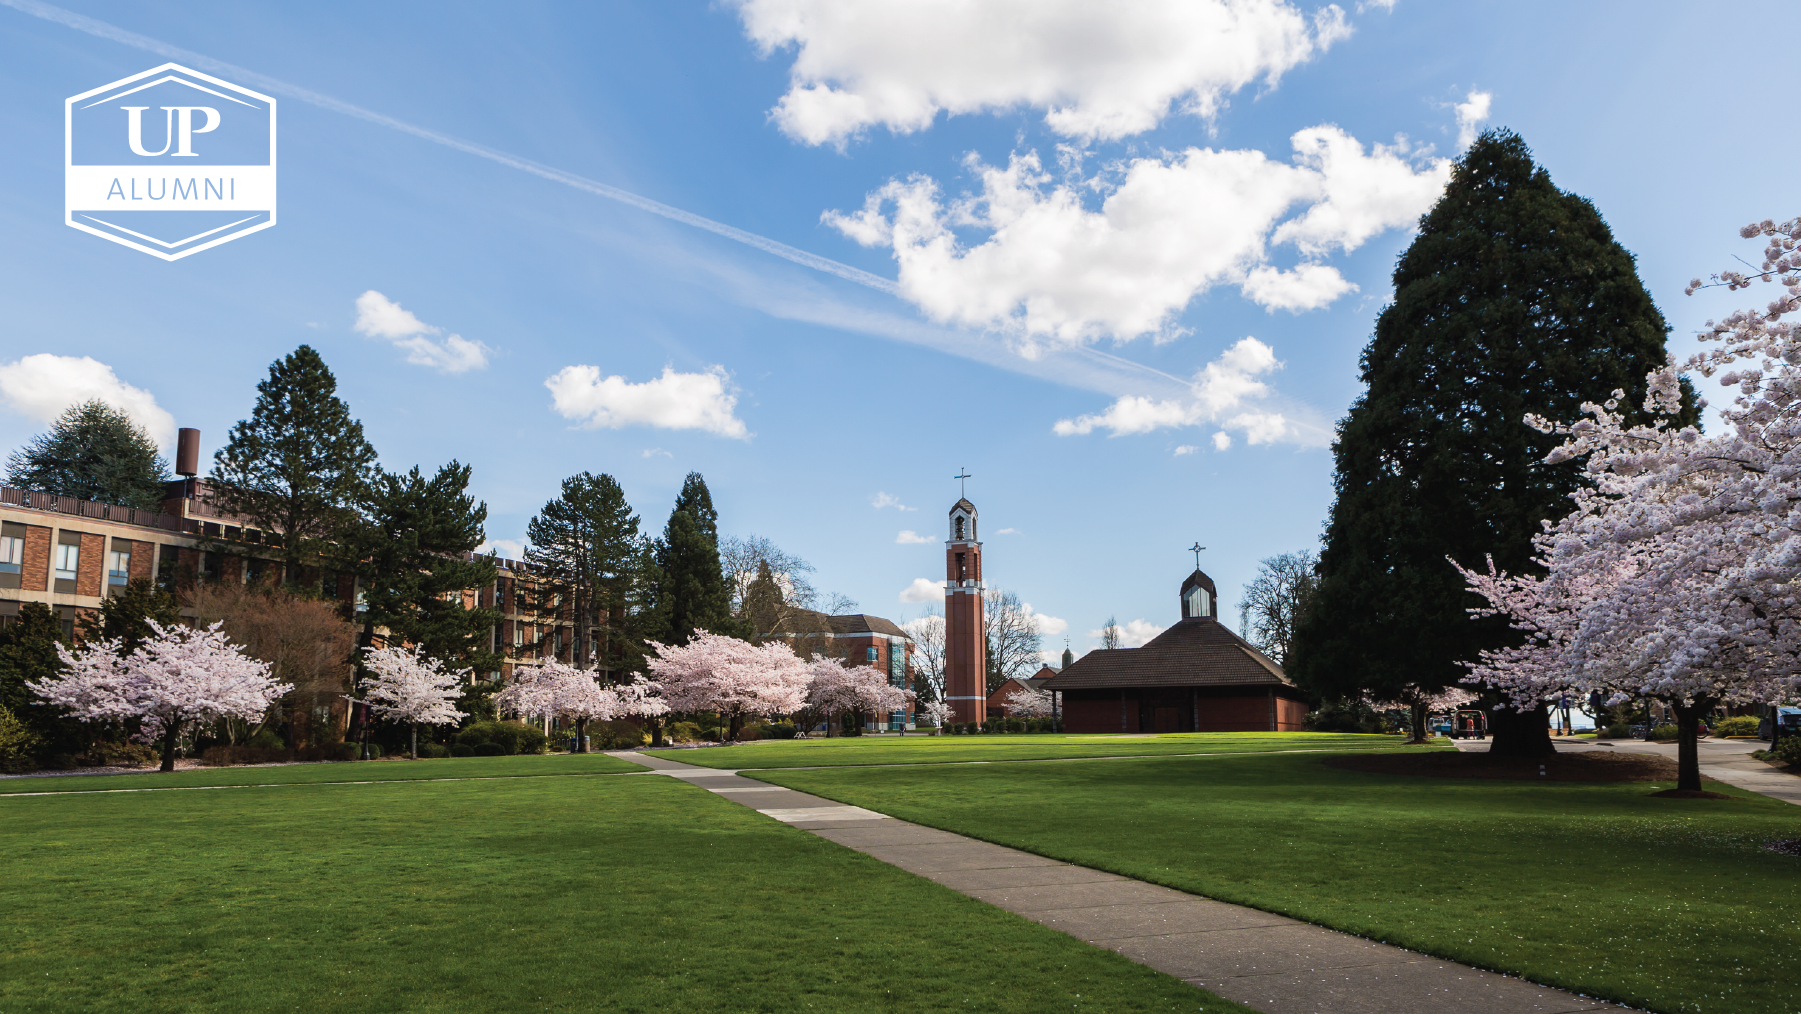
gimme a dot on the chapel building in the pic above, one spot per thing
(1197, 676)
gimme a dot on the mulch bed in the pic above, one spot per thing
(1789, 847)
(1563, 767)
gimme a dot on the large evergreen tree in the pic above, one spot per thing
(298, 466)
(690, 586)
(95, 452)
(415, 555)
(28, 653)
(1514, 298)
(586, 542)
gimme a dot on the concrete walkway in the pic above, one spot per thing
(1724, 760)
(1263, 961)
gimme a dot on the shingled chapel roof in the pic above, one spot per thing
(1196, 652)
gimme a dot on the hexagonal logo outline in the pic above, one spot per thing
(209, 194)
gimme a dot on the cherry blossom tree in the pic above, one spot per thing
(713, 672)
(834, 688)
(1677, 577)
(554, 689)
(938, 713)
(409, 686)
(1030, 702)
(1420, 702)
(179, 677)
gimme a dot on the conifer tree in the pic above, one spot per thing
(415, 549)
(94, 452)
(128, 613)
(1514, 298)
(691, 588)
(28, 653)
(298, 466)
(586, 542)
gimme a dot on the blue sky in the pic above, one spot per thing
(1072, 330)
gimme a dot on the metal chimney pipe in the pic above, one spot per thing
(187, 452)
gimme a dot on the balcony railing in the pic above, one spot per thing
(52, 504)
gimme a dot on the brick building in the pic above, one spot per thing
(69, 554)
(1197, 676)
(860, 639)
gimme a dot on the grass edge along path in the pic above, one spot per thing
(1601, 890)
(329, 773)
(882, 751)
(638, 895)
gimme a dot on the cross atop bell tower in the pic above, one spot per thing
(965, 654)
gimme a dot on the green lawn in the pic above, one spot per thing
(857, 750)
(369, 771)
(559, 894)
(1667, 904)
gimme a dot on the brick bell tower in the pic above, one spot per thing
(965, 652)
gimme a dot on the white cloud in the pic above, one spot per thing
(674, 401)
(1008, 531)
(1471, 113)
(1216, 395)
(41, 387)
(923, 590)
(506, 549)
(1187, 449)
(652, 452)
(1048, 626)
(380, 317)
(1101, 71)
(1168, 229)
(881, 500)
(1134, 634)
(912, 538)
(1222, 441)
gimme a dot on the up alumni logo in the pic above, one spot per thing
(170, 162)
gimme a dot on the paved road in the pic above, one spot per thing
(1263, 961)
(1725, 760)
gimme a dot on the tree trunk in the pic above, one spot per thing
(1520, 733)
(581, 735)
(170, 734)
(1418, 711)
(737, 724)
(1688, 751)
(656, 730)
(413, 744)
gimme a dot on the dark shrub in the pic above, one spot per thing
(461, 750)
(511, 737)
(488, 750)
(682, 732)
(340, 751)
(225, 756)
(433, 750)
(615, 735)
(750, 733)
(780, 730)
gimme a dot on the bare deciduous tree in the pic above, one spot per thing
(1012, 635)
(742, 558)
(1275, 601)
(928, 654)
(304, 641)
(1110, 636)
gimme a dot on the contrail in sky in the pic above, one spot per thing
(269, 84)
(265, 83)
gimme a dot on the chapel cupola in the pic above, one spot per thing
(1199, 599)
(963, 522)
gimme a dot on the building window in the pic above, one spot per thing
(68, 558)
(118, 567)
(12, 554)
(1198, 602)
(873, 654)
(518, 635)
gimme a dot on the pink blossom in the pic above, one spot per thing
(713, 672)
(179, 677)
(409, 686)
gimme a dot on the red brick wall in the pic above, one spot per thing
(1291, 716)
(92, 566)
(1234, 714)
(1094, 716)
(141, 553)
(36, 575)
